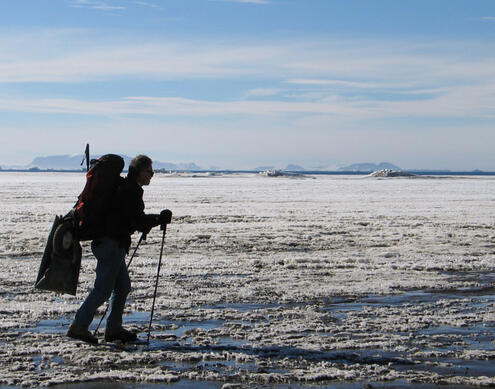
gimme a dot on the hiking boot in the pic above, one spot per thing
(120, 334)
(83, 334)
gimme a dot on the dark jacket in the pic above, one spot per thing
(126, 214)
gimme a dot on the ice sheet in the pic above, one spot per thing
(269, 280)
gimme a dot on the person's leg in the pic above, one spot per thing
(110, 258)
(114, 330)
(119, 296)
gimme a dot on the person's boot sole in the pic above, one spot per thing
(84, 338)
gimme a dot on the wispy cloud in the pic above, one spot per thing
(166, 106)
(262, 92)
(489, 18)
(338, 83)
(406, 88)
(147, 4)
(117, 5)
(261, 2)
(96, 4)
(349, 65)
(152, 61)
(349, 79)
(456, 102)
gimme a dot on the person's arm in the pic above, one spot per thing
(134, 207)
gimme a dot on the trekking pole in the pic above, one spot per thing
(143, 237)
(164, 228)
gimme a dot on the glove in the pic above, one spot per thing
(165, 217)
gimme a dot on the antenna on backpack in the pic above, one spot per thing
(86, 157)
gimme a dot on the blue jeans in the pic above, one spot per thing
(112, 279)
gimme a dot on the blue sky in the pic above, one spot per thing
(244, 83)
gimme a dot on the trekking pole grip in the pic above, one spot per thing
(165, 218)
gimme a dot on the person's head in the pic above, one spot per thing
(141, 170)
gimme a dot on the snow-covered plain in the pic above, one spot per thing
(269, 281)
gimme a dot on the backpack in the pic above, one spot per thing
(94, 202)
(61, 261)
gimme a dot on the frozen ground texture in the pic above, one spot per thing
(269, 281)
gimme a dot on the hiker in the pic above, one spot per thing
(125, 216)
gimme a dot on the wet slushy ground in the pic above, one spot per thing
(277, 282)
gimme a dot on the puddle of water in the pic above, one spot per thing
(340, 308)
(472, 368)
(474, 337)
(451, 367)
(412, 297)
(49, 326)
(60, 325)
(178, 366)
(183, 384)
(189, 326)
(225, 367)
(182, 326)
(186, 332)
(484, 341)
(134, 316)
(228, 341)
(240, 306)
(450, 330)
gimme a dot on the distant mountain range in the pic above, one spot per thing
(288, 168)
(369, 167)
(355, 167)
(73, 162)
